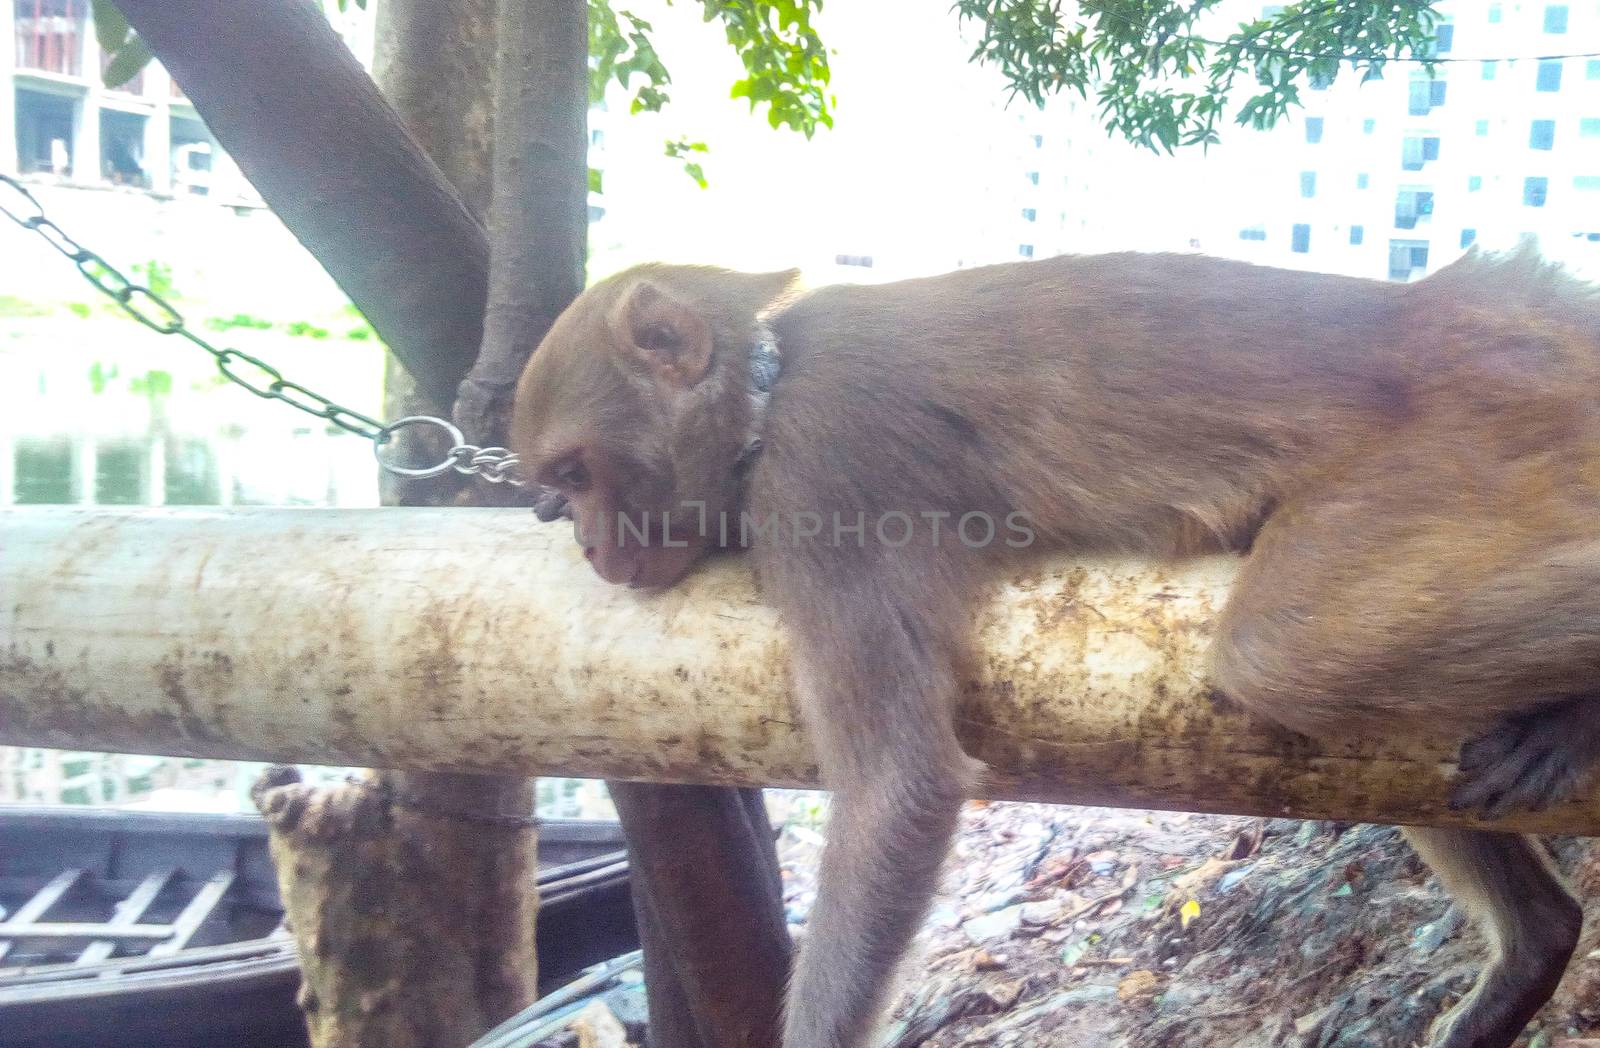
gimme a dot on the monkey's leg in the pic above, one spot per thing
(1531, 760)
(877, 684)
(1509, 886)
(1371, 613)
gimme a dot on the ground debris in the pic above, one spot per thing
(1129, 929)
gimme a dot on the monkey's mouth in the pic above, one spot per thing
(649, 564)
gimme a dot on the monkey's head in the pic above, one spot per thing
(635, 411)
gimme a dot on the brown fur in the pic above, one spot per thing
(1415, 470)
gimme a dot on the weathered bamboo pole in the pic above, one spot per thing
(479, 640)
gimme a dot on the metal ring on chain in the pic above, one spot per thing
(386, 434)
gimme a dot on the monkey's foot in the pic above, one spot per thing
(1478, 1022)
(1529, 762)
(1513, 990)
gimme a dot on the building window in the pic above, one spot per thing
(1436, 92)
(596, 213)
(44, 132)
(1555, 18)
(1357, 234)
(193, 154)
(1308, 184)
(597, 137)
(1033, 176)
(1589, 127)
(1474, 183)
(1549, 78)
(1489, 69)
(1314, 129)
(1481, 128)
(1542, 134)
(1419, 98)
(1300, 238)
(1038, 141)
(1407, 259)
(1367, 125)
(1445, 38)
(1417, 151)
(50, 35)
(1468, 236)
(1494, 12)
(1534, 191)
(1320, 80)
(1592, 70)
(1253, 233)
(1025, 250)
(1030, 214)
(1411, 206)
(1363, 180)
(1586, 183)
(122, 159)
(863, 261)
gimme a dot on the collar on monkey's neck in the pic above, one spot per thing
(765, 366)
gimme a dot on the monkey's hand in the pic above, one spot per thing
(1529, 762)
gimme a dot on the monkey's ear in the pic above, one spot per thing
(669, 336)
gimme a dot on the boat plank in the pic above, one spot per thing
(128, 912)
(36, 907)
(195, 914)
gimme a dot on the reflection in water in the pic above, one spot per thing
(102, 414)
(43, 470)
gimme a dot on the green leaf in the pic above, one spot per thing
(110, 26)
(1161, 73)
(595, 178)
(130, 58)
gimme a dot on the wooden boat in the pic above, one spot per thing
(134, 928)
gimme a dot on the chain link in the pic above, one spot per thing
(494, 464)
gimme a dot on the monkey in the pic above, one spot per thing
(1411, 472)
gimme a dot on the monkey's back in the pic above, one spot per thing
(1167, 402)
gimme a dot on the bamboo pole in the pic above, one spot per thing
(479, 640)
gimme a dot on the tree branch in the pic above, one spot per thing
(308, 127)
(539, 206)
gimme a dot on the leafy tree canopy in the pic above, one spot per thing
(1163, 73)
(1161, 81)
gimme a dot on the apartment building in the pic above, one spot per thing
(69, 127)
(1397, 177)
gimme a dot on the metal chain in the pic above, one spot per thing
(494, 464)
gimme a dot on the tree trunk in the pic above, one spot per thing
(413, 906)
(285, 98)
(714, 973)
(435, 64)
(413, 912)
(704, 867)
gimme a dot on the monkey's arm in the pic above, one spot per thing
(875, 673)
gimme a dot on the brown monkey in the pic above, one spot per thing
(1414, 470)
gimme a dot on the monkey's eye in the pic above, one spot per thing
(570, 476)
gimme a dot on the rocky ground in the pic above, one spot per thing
(1079, 927)
(1099, 928)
